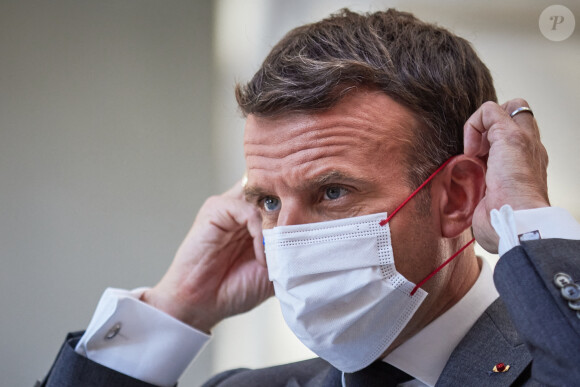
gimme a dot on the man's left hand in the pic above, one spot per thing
(516, 163)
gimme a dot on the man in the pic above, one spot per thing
(346, 119)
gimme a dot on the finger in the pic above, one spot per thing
(475, 143)
(255, 230)
(477, 127)
(254, 220)
(243, 213)
(524, 118)
(259, 250)
(525, 122)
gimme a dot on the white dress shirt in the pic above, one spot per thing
(138, 340)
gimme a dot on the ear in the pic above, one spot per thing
(460, 188)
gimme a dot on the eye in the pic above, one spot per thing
(333, 193)
(271, 204)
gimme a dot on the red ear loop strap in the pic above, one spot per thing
(385, 221)
(440, 267)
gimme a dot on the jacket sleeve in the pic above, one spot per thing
(524, 277)
(72, 370)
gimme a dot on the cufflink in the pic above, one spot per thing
(529, 236)
(114, 331)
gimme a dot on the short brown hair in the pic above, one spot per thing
(431, 71)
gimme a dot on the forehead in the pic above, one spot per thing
(364, 130)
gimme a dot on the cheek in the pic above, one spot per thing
(414, 247)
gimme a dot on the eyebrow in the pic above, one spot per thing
(251, 193)
(334, 176)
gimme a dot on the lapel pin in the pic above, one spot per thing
(501, 367)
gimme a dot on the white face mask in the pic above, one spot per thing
(338, 287)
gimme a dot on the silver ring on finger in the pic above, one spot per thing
(522, 109)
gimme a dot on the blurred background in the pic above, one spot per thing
(117, 120)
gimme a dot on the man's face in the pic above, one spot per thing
(343, 162)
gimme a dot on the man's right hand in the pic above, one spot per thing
(219, 269)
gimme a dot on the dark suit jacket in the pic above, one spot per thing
(530, 328)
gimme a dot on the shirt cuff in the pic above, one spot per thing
(133, 338)
(537, 223)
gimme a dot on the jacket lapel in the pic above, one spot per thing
(492, 340)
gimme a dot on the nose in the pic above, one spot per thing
(293, 213)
